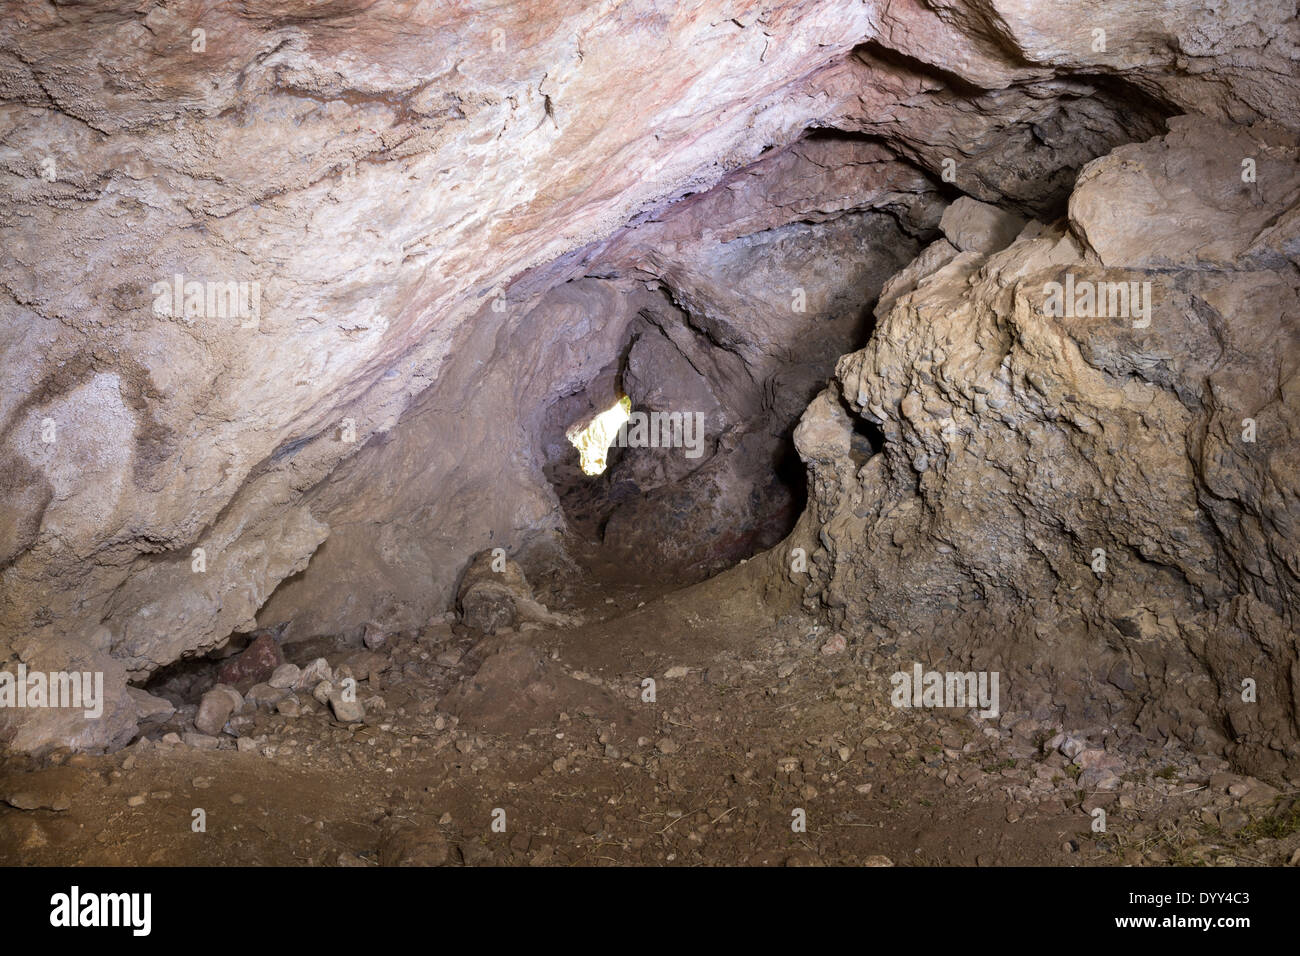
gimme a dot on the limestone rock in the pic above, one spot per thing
(148, 707)
(490, 599)
(346, 711)
(215, 709)
(1065, 485)
(974, 226)
(265, 695)
(285, 676)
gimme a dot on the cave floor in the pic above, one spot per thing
(755, 717)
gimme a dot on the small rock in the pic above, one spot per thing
(215, 709)
(254, 664)
(30, 800)
(835, 645)
(1232, 819)
(264, 695)
(315, 672)
(286, 676)
(1072, 746)
(345, 711)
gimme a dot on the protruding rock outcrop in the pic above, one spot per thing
(1090, 475)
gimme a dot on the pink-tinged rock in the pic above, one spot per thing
(835, 645)
(254, 665)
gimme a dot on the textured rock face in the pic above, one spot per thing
(414, 231)
(1101, 502)
(375, 171)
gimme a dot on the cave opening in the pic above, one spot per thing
(672, 462)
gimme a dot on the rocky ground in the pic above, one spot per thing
(546, 732)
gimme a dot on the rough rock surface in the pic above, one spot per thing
(495, 594)
(253, 665)
(400, 188)
(1101, 506)
(215, 709)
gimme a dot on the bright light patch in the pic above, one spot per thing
(593, 441)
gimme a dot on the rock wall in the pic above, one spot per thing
(1099, 502)
(377, 173)
(368, 180)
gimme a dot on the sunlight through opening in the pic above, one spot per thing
(593, 441)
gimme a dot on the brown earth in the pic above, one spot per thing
(549, 726)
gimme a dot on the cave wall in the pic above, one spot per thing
(691, 310)
(1021, 444)
(380, 171)
(384, 174)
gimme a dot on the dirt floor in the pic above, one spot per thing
(539, 746)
